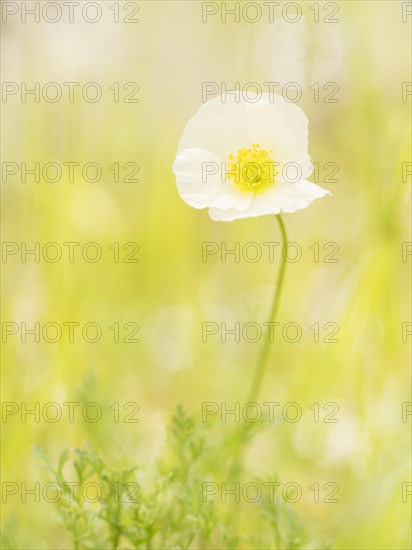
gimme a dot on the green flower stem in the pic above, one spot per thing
(264, 355)
(244, 434)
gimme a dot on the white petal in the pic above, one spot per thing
(282, 197)
(200, 187)
(219, 126)
(281, 126)
(234, 121)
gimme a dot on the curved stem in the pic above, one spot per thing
(244, 433)
(264, 356)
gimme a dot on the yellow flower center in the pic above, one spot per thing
(252, 169)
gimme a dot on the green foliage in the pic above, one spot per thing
(163, 505)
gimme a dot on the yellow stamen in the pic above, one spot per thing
(252, 169)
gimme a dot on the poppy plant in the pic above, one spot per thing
(246, 157)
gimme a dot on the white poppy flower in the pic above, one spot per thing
(246, 156)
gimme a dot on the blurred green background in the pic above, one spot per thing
(170, 292)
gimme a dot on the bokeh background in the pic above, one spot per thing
(170, 292)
